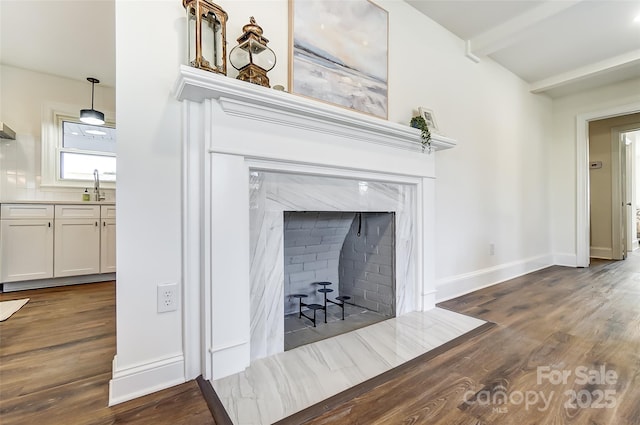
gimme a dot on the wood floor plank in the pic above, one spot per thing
(55, 365)
(558, 318)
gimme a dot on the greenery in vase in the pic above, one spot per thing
(419, 123)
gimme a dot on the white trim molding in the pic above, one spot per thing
(455, 286)
(136, 381)
(583, 216)
(53, 114)
(233, 130)
(57, 281)
(239, 99)
(565, 259)
(605, 253)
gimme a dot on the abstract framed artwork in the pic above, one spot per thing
(339, 53)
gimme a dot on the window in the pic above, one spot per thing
(72, 150)
(86, 148)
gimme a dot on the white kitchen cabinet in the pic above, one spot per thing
(41, 241)
(26, 242)
(108, 239)
(77, 240)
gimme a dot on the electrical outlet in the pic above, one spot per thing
(167, 297)
(492, 249)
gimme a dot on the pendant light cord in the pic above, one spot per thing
(93, 84)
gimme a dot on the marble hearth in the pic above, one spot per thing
(251, 153)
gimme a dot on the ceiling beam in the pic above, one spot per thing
(511, 31)
(592, 70)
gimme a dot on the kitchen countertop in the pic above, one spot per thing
(79, 202)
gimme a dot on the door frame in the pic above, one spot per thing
(629, 201)
(620, 199)
(583, 213)
(632, 189)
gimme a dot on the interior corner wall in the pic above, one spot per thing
(150, 354)
(367, 262)
(24, 93)
(492, 209)
(563, 157)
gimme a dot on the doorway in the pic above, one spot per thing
(632, 140)
(611, 185)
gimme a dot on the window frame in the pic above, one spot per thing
(52, 139)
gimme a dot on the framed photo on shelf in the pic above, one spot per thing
(339, 53)
(429, 118)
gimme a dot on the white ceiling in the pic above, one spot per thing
(69, 38)
(558, 46)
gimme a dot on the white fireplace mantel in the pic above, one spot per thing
(242, 99)
(234, 132)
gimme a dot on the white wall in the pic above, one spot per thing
(491, 189)
(562, 156)
(23, 95)
(148, 53)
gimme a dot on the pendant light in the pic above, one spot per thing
(91, 116)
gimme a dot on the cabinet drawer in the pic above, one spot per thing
(19, 211)
(107, 211)
(77, 211)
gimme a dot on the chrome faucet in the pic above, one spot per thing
(96, 186)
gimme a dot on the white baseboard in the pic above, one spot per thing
(455, 286)
(568, 260)
(57, 281)
(605, 253)
(133, 382)
(428, 300)
(230, 359)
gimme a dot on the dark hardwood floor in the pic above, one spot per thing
(558, 320)
(55, 365)
(55, 360)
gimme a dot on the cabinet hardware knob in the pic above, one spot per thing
(96, 224)
(49, 224)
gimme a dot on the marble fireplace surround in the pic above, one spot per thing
(250, 153)
(271, 194)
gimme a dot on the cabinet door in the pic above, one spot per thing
(108, 246)
(77, 247)
(26, 249)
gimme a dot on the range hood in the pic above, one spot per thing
(6, 132)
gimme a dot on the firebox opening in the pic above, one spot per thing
(337, 264)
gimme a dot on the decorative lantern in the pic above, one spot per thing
(251, 57)
(206, 24)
